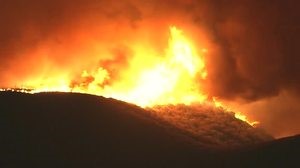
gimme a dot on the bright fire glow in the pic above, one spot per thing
(169, 80)
(148, 80)
(237, 114)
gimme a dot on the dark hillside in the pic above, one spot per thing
(79, 130)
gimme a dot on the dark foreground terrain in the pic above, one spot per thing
(78, 130)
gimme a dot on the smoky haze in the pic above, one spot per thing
(253, 45)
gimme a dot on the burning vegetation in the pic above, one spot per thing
(147, 81)
(240, 56)
(210, 125)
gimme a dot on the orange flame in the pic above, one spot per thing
(237, 114)
(148, 80)
(170, 79)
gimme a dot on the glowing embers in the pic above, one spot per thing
(237, 114)
(22, 90)
(212, 125)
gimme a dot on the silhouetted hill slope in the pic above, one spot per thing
(283, 152)
(79, 130)
(84, 130)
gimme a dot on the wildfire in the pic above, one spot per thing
(148, 80)
(170, 80)
(237, 114)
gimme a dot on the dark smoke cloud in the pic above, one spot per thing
(257, 60)
(257, 44)
(253, 45)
